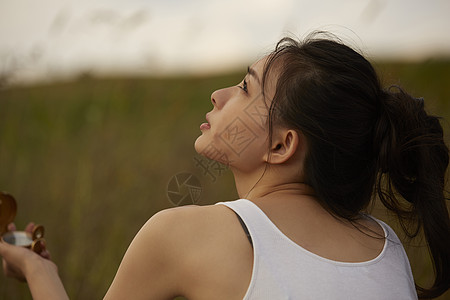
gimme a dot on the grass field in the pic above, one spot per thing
(91, 160)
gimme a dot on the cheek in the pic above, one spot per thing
(236, 135)
(236, 145)
(252, 157)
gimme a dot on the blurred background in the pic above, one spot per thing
(100, 103)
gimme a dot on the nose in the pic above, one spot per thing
(220, 97)
(213, 98)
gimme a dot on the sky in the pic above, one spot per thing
(48, 40)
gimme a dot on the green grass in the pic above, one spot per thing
(91, 160)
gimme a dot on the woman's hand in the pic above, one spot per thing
(17, 259)
(26, 265)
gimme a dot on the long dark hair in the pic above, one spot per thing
(363, 141)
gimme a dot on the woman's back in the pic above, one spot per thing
(284, 269)
(225, 265)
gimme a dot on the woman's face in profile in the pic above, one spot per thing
(236, 130)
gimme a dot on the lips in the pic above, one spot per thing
(205, 126)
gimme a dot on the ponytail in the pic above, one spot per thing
(412, 161)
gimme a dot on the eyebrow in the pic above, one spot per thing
(252, 72)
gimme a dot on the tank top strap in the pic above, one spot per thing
(259, 226)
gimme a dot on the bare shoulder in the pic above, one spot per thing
(194, 214)
(195, 251)
(199, 228)
(189, 224)
(210, 249)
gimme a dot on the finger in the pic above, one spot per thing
(30, 227)
(45, 254)
(40, 248)
(11, 227)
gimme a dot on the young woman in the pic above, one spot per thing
(311, 138)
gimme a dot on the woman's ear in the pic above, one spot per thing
(285, 143)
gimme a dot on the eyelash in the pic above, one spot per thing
(244, 86)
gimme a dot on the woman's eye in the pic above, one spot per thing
(244, 86)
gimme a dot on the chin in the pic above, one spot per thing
(198, 145)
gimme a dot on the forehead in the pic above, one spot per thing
(271, 78)
(258, 66)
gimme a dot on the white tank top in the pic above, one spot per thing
(284, 270)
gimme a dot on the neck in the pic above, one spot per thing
(268, 183)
